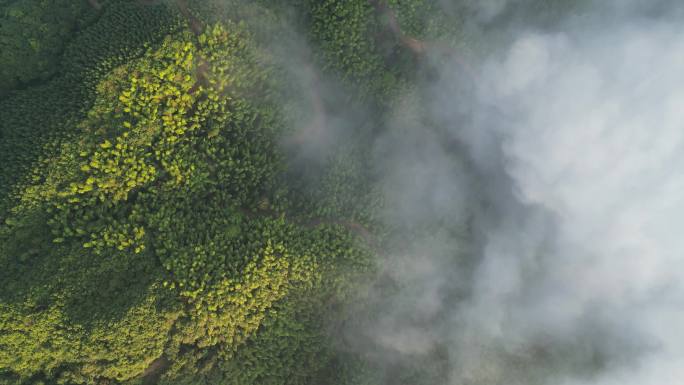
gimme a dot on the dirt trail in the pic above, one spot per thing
(95, 4)
(195, 25)
(419, 47)
(155, 370)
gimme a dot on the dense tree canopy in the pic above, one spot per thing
(156, 225)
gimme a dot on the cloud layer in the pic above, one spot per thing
(563, 166)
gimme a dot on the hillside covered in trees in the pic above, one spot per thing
(190, 191)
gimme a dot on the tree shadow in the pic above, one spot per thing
(89, 288)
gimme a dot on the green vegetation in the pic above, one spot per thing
(151, 227)
(32, 37)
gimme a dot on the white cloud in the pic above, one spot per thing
(575, 184)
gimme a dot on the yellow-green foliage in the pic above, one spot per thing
(36, 121)
(164, 228)
(149, 226)
(67, 314)
(153, 230)
(47, 341)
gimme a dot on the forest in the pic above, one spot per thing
(192, 191)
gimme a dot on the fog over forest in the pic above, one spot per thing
(362, 192)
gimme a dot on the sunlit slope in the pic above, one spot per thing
(144, 226)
